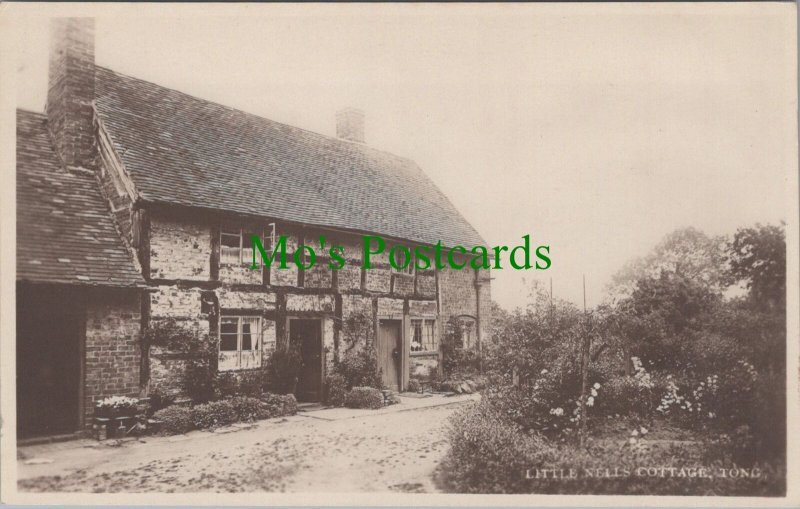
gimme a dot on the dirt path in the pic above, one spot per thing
(388, 452)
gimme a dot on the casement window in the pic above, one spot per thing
(423, 338)
(236, 247)
(239, 342)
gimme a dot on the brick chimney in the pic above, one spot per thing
(70, 92)
(350, 124)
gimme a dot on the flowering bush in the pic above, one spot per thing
(715, 401)
(116, 406)
(636, 396)
(543, 404)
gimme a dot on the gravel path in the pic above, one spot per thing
(370, 453)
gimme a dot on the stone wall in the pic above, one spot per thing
(179, 250)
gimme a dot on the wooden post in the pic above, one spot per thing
(584, 369)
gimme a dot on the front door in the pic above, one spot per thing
(49, 322)
(390, 352)
(307, 335)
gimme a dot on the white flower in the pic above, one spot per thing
(590, 401)
(544, 372)
(643, 430)
(634, 433)
(596, 385)
(632, 441)
(594, 393)
(557, 411)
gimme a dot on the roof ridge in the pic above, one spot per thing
(259, 117)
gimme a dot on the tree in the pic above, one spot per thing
(758, 259)
(687, 252)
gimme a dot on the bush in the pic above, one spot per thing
(283, 369)
(158, 401)
(413, 386)
(250, 383)
(456, 359)
(249, 409)
(335, 390)
(175, 419)
(214, 414)
(278, 405)
(364, 397)
(360, 369)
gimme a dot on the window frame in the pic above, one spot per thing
(424, 323)
(229, 232)
(256, 341)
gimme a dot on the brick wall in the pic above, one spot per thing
(113, 348)
(70, 93)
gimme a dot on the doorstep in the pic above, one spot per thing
(52, 439)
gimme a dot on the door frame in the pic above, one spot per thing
(321, 321)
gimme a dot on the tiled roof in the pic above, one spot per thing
(64, 229)
(183, 150)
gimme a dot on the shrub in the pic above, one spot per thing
(456, 359)
(214, 414)
(278, 405)
(283, 368)
(364, 397)
(175, 419)
(360, 369)
(249, 409)
(158, 401)
(198, 348)
(335, 390)
(413, 386)
(250, 383)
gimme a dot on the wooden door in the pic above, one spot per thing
(48, 361)
(390, 352)
(307, 336)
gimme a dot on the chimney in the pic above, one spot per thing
(350, 124)
(70, 92)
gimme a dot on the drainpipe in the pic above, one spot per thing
(478, 319)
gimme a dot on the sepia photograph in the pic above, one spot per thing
(376, 254)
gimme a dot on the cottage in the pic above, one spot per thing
(137, 203)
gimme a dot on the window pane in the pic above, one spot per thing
(229, 251)
(429, 343)
(230, 239)
(247, 248)
(246, 336)
(416, 342)
(227, 342)
(228, 333)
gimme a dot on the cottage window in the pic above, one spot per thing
(422, 336)
(236, 247)
(239, 342)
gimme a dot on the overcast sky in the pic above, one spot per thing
(596, 129)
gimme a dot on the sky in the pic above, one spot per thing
(596, 129)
